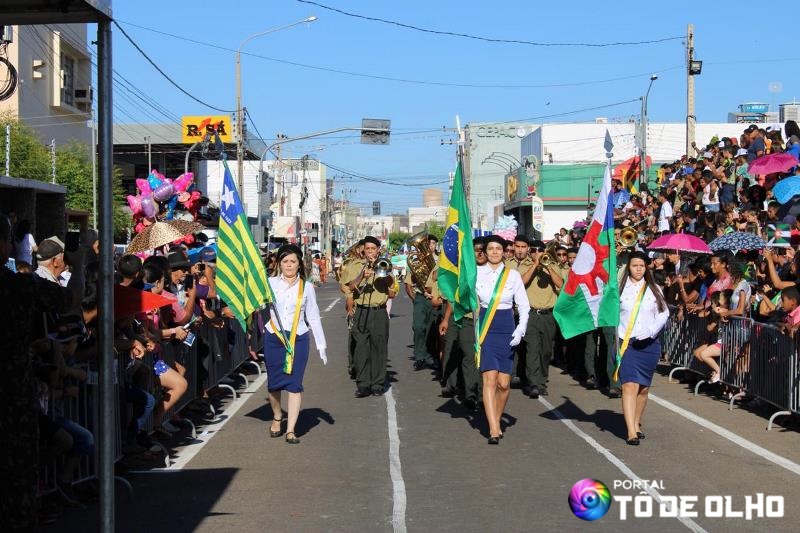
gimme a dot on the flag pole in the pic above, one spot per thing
(271, 301)
(609, 145)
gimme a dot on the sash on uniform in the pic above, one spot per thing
(288, 362)
(482, 326)
(628, 331)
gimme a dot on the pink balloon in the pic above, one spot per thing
(135, 203)
(144, 187)
(183, 182)
(148, 207)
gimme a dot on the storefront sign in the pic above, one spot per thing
(194, 128)
(537, 214)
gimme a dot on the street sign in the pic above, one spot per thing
(375, 131)
(537, 213)
(376, 208)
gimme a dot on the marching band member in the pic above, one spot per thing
(498, 288)
(351, 265)
(643, 314)
(423, 314)
(370, 331)
(286, 352)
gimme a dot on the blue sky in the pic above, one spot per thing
(740, 61)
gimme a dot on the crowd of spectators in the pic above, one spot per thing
(48, 295)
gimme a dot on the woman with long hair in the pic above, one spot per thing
(643, 314)
(286, 343)
(499, 289)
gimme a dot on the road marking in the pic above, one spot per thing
(213, 429)
(614, 460)
(779, 460)
(395, 468)
(336, 301)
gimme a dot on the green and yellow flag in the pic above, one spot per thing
(457, 268)
(241, 276)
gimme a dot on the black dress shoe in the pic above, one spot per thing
(470, 404)
(494, 440)
(614, 392)
(526, 390)
(360, 393)
(591, 383)
(639, 435)
(534, 392)
(377, 392)
(632, 442)
(447, 392)
(419, 365)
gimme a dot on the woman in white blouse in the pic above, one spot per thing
(640, 357)
(496, 354)
(296, 303)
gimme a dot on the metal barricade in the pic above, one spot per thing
(734, 356)
(773, 369)
(686, 331)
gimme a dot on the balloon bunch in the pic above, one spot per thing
(506, 227)
(158, 196)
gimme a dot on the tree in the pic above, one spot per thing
(435, 228)
(31, 159)
(396, 239)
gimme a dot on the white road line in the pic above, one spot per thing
(212, 429)
(614, 460)
(336, 301)
(779, 460)
(395, 468)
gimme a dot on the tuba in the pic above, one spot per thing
(420, 261)
(628, 237)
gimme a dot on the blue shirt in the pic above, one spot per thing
(620, 198)
(755, 147)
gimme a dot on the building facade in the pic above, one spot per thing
(54, 87)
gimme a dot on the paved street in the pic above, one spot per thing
(340, 478)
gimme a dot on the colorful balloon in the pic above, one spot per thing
(164, 191)
(183, 182)
(149, 208)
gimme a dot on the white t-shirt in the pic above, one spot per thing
(664, 215)
(25, 249)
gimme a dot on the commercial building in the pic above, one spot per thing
(54, 82)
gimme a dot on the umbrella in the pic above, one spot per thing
(681, 242)
(772, 163)
(129, 301)
(786, 188)
(162, 233)
(738, 240)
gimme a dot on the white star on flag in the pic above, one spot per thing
(226, 199)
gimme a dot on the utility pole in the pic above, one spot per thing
(52, 160)
(691, 119)
(149, 154)
(94, 171)
(303, 197)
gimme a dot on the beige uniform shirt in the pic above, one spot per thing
(369, 293)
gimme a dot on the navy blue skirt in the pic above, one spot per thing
(496, 352)
(639, 361)
(274, 356)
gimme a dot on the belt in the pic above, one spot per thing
(383, 306)
(542, 311)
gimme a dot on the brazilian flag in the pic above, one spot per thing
(457, 267)
(241, 276)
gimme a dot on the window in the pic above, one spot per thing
(68, 79)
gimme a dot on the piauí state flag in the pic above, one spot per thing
(241, 277)
(590, 296)
(458, 271)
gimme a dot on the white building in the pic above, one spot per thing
(54, 87)
(419, 216)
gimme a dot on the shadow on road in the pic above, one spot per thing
(308, 419)
(477, 419)
(604, 419)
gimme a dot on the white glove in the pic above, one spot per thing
(516, 338)
(323, 357)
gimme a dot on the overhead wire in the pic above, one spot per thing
(406, 80)
(488, 39)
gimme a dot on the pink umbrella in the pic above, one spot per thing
(681, 242)
(772, 163)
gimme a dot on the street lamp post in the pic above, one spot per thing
(643, 158)
(239, 110)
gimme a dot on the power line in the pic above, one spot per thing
(488, 39)
(168, 78)
(376, 180)
(595, 108)
(406, 80)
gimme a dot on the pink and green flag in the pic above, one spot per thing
(590, 296)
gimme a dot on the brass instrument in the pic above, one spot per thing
(628, 237)
(548, 258)
(350, 254)
(420, 261)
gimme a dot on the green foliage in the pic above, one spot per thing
(396, 239)
(30, 159)
(435, 228)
